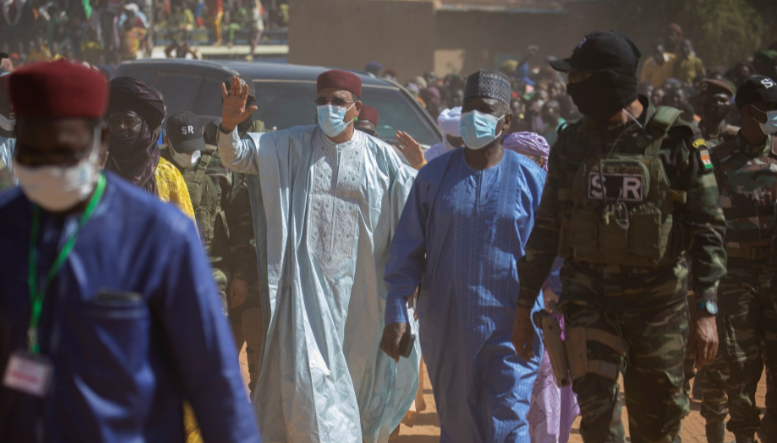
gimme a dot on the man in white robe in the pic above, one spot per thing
(326, 200)
(448, 121)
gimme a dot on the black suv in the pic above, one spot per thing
(284, 94)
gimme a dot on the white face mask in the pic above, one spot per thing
(185, 160)
(58, 188)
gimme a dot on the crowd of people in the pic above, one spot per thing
(546, 241)
(670, 75)
(105, 32)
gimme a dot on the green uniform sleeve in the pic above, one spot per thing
(702, 220)
(542, 248)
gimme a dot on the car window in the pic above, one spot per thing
(147, 77)
(283, 104)
(178, 91)
(209, 99)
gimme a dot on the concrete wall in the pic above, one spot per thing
(350, 33)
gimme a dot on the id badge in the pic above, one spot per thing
(27, 372)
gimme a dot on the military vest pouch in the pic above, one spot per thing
(620, 210)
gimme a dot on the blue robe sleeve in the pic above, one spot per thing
(201, 345)
(407, 256)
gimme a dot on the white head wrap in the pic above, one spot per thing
(449, 121)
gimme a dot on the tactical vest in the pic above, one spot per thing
(748, 192)
(630, 223)
(204, 194)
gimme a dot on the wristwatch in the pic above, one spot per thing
(709, 307)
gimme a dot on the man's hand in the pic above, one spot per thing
(238, 292)
(392, 335)
(233, 110)
(410, 148)
(523, 333)
(704, 338)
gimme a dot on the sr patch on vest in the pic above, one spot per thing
(616, 186)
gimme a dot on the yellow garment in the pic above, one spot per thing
(654, 74)
(131, 42)
(39, 54)
(190, 427)
(687, 69)
(171, 187)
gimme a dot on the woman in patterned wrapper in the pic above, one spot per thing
(553, 409)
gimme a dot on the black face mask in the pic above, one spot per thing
(714, 112)
(603, 94)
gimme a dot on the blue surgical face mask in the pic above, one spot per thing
(330, 119)
(770, 126)
(479, 129)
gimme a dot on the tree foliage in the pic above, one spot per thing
(723, 31)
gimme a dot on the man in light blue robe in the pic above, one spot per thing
(325, 201)
(463, 230)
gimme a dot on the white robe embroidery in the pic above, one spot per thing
(324, 216)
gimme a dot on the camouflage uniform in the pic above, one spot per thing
(748, 191)
(242, 264)
(715, 390)
(209, 182)
(624, 275)
(714, 137)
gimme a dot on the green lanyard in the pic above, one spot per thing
(37, 294)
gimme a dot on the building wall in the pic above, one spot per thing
(417, 36)
(481, 40)
(350, 33)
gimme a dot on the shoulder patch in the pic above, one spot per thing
(704, 159)
(700, 143)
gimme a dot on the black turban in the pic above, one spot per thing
(136, 159)
(129, 94)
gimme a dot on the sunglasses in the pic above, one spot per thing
(116, 123)
(336, 101)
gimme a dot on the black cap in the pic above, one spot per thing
(757, 88)
(3, 55)
(602, 50)
(243, 81)
(185, 132)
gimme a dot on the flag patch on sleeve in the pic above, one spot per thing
(704, 157)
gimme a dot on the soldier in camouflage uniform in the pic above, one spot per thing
(713, 105)
(629, 190)
(746, 171)
(208, 182)
(244, 294)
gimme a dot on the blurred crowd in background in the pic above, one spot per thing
(103, 33)
(671, 75)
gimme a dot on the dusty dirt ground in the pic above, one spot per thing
(427, 427)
